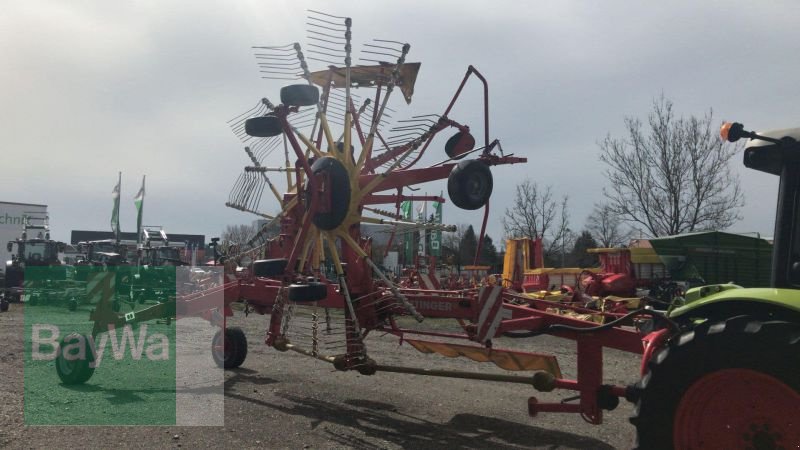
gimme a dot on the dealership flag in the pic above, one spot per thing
(423, 218)
(436, 236)
(138, 201)
(408, 238)
(115, 211)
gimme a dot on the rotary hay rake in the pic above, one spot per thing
(332, 189)
(716, 350)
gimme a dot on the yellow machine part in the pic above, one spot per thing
(504, 359)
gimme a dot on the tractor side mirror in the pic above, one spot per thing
(732, 132)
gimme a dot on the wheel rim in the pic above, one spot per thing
(476, 187)
(223, 350)
(737, 408)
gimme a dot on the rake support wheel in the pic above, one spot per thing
(75, 360)
(336, 187)
(265, 126)
(231, 352)
(470, 184)
(458, 144)
(299, 95)
(311, 292)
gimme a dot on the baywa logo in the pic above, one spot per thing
(104, 346)
(47, 346)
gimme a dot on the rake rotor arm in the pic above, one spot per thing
(471, 70)
(403, 178)
(402, 149)
(282, 114)
(410, 177)
(377, 199)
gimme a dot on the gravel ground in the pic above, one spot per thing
(280, 400)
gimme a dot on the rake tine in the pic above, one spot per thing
(338, 41)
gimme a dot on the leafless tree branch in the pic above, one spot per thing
(673, 177)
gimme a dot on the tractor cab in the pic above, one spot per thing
(778, 153)
(104, 252)
(156, 249)
(33, 248)
(34, 252)
(165, 256)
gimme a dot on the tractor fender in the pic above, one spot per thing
(729, 300)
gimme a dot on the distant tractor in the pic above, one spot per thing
(33, 249)
(156, 250)
(103, 253)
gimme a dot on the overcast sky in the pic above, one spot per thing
(90, 88)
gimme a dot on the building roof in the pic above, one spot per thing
(196, 240)
(23, 204)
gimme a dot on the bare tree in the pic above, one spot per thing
(535, 213)
(607, 228)
(235, 237)
(673, 178)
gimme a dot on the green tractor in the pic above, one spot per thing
(737, 360)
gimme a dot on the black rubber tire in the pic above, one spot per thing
(72, 304)
(772, 348)
(76, 371)
(339, 184)
(458, 144)
(4, 305)
(311, 292)
(299, 95)
(33, 300)
(270, 268)
(264, 126)
(235, 348)
(470, 184)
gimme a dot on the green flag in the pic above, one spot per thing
(407, 209)
(115, 211)
(138, 201)
(436, 236)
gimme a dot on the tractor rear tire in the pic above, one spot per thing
(311, 292)
(270, 268)
(470, 184)
(235, 348)
(4, 305)
(299, 95)
(729, 384)
(79, 367)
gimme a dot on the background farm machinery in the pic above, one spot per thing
(719, 372)
(35, 249)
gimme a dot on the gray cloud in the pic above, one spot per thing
(93, 88)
